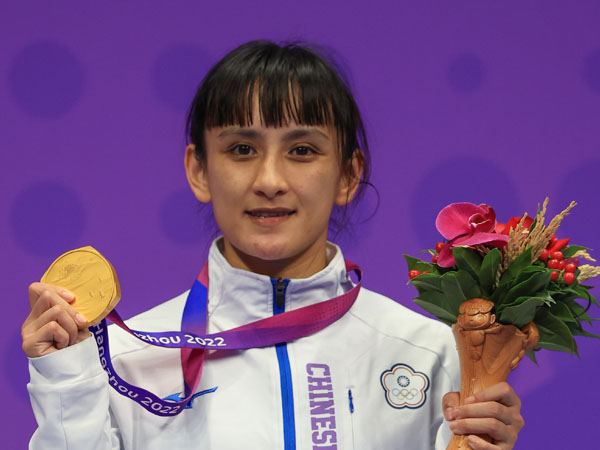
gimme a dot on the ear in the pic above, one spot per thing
(196, 175)
(350, 179)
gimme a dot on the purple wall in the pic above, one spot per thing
(464, 101)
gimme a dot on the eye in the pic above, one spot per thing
(242, 150)
(302, 150)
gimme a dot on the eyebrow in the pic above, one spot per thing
(289, 136)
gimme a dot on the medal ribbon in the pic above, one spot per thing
(193, 340)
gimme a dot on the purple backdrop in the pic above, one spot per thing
(463, 101)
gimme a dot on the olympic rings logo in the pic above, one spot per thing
(405, 394)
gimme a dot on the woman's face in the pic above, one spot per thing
(272, 192)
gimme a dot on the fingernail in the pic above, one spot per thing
(80, 319)
(470, 399)
(67, 294)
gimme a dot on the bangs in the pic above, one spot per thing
(281, 100)
(288, 90)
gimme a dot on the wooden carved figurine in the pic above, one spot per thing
(488, 351)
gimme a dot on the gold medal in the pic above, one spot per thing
(88, 275)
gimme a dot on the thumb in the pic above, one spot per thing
(449, 402)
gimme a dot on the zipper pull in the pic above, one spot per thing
(280, 292)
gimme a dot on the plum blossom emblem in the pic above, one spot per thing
(404, 387)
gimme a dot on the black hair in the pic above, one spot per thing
(294, 82)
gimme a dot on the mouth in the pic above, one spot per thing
(266, 213)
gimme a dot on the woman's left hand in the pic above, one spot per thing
(495, 411)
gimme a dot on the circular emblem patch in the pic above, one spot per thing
(404, 387)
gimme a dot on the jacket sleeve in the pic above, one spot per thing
(443, 436)
(69, 395)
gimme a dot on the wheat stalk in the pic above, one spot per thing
(583, 254)
(586, 271)
(537, 238)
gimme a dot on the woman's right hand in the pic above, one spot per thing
(53, 323)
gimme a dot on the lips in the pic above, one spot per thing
(264, 213)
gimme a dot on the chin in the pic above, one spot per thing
(269, 251)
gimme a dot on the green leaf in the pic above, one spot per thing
(528, 272)
(442, 300)
(417, 264)
(468, 261)
(570, 250)
(582, 332)
(578, 311)
(452, 289)
(519, 300)
(537, 282)
(521, 314)
(458, 287)
(583, 293)
(436, 310)
(531, 355)
(521, 262)
(467, 283)
(562, 312)
(489, 270)
(554, 334)
(428, 281)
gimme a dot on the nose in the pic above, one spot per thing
(270, 180)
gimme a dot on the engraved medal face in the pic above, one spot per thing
(88, 275)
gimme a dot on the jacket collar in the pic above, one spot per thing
(237, 296)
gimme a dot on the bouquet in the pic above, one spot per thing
(520, 266)
(507, 289)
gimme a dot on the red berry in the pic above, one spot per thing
(561, 264)
(544, 255)
(570, 267)
(569, 277)
(434, 259)
(439, 246)
(554, 275)
(553, 264)
(557, 255)
(413, 273)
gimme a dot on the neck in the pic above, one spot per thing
(311, 261)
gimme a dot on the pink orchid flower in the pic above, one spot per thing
(466, 224)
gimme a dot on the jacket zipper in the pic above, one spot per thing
(285, 374)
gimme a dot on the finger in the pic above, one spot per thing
(449, 402)
(48, 339)
(36, 289)
(484, 409)
(500, 392)
(63, 317)
(82, 334)
(496, 429)
(476, 443)
(49, 298)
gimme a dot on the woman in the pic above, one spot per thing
(277, 144)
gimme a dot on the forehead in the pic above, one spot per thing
(289, 132)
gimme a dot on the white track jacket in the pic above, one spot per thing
(372, 380)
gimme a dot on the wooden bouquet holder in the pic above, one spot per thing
(488, 352)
